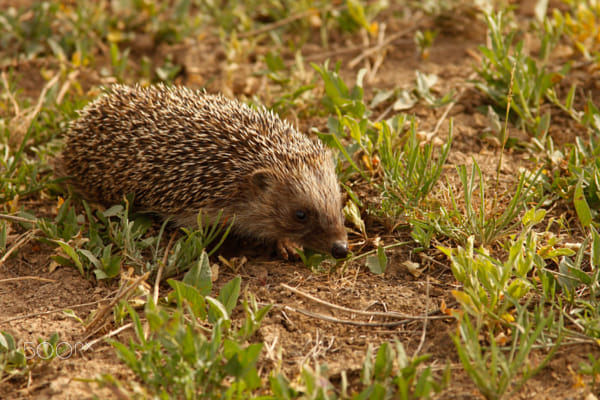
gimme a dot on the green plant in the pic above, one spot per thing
(294, 84)
(118, 61)
(507, 69)
(19, 360)
(27, 138)
(490, 286)
(408, 381)
(391, 374)
(592, 369)
(494, 369)
(12, 358)
(481, 217)
(168, 71)
(424, 41)
(193, 350)
(579, 278)
(112, 238)
(574, 175)
(410, 171)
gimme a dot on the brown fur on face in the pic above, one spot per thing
(278, 201)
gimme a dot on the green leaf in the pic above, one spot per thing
(71, 313)
(72, 253)
(378, 263)
(240, 361)
(91, 258)
(216, 310)
(518, 288)
(533, 217)
(405, 100)
(357, 12)
(570, 97)
(191, 295)
(280, 386)
(566, 279)
(126, 355)
(7, 341)
(581, 205)
(200, 275)
(229, 294)
(274, 62)
(113, 211)
(384, 361)
(137, 324)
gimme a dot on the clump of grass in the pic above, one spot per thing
(481, 217)
(12, 358)
(390, 374)
(411, 171)
(27, 136)
(112, 238)
(18, 361)
(572, 174)
(499, 370)
(507, 68)
(193, 350)
(409, 167)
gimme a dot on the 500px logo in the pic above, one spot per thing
(47, 350)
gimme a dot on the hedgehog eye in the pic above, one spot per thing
(301, 215)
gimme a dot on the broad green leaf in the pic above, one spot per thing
(377, 263)
(228, 295)
(191, 295)
(200, 275)
(72, 253)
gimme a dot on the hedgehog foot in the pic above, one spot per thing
(286, 249)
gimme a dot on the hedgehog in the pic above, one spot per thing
(182, 152)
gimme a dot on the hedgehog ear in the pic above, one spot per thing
(262, 179)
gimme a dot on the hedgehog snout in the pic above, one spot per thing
(339, 249)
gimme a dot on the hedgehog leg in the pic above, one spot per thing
(286, 249)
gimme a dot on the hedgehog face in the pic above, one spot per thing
(305, 209)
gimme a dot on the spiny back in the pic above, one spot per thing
(175, 148)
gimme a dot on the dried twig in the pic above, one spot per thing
(161, 267)
(24, 278)
(21, 122)
(88, 345)
(38, 106)
(285, 21)
(10, 95)
(336, 52)
(24, 238)
(103, 312)
(317, 349)
(424, 334)
(390, 314)
(380, 57)
(14, 218)
(65, 87)
(33, 315)
(372, 50)
(349, 322)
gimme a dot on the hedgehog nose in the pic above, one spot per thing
(339, 249)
